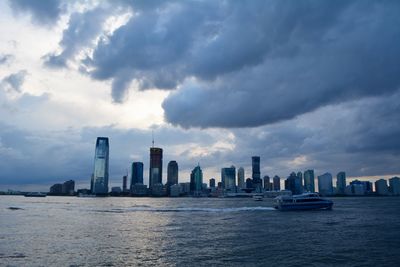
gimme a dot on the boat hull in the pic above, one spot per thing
(305, 206)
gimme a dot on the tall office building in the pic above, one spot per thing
(325, 186)
(341, 182)
(277, 183)
(212, 183)
(68, 187)
(309, 185)
(256, 174)
(172, 172)
(394, 187)
(100, 175)
(124, 183)
(196, 180)
(136, 173)
(300, 175)
(228, 178)
(266, 183)
(155, 172)
(293, 183)
(381, 187)
(240, 178)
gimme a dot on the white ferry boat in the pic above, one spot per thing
(306, 201)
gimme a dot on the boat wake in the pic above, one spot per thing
(187, 209)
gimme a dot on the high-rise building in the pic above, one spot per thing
(256, 174)
(293, 183)
(300, 175)
(266, 183)
(155, 172)
(381, 187)
(212, 183)
(124, 183)
(100, 175)
(240, 178)
(325, 186)
(277, 183)
(361, 187)
(136, 174)
(394, 188)
(309, 185)
(56, 189)
(340, 183)
(228, 178)
(172, 172)
(196, 180)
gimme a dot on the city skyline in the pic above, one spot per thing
(303, 88)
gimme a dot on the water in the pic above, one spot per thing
(70, 231)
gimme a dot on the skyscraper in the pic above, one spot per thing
(196, 180)
(124, 183)
(212, 183)
(266, 183)
(256, 174)
(341, 182)
(136, 173)
(228, 178)
(293, 183)
(394, 187)
(240, 178)
(172, 172)
(309, 185)
(300, 175)
(325, 186)
(155, 172)
(277, 183)
(172, 175)
(381, 187)
(100, 175)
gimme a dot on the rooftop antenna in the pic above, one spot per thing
(152, 136)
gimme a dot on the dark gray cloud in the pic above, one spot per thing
(14, 82)
(45, 12)
(82, 29)
(5, 58)
(252, 63)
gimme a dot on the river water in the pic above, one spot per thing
(71, 231)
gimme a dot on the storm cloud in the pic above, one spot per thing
(253, 63)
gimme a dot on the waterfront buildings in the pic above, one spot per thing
(240, 178)
(366, 187)
(340, 183)
(228, 178)
(65, 189)
(276, 183)
(156, 162)
(55, 189)
(175, 190)
(136, 173)
(267, 185)
(172, 174)
(325, 186)
(293, 183)
(381, 187)
(196, 181)
(212, 183)
(394, 186)
(256, 174)
(100, 174)
(300, 176)
(124, 183)
(309, 178)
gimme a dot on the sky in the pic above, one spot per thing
(302, 84)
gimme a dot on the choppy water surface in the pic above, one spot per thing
(65, 231)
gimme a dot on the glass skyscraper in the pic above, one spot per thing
(228, 178)
(196, 181)
(136, 173)
(100, 174)
(341, 182)
(309, 185)
(256, 174)
(240, 176)
(172, 172)
(155, 172)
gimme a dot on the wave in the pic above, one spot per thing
(187, 209)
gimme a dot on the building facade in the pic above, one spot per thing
(276, 183)
(256, 173)
(340, 183)
(309, 185)
(381, 187)
(156, 162)
(100, 174)
(228, 178)
(325, 186)
(240, 178)
(196, 181)
(136, 174)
